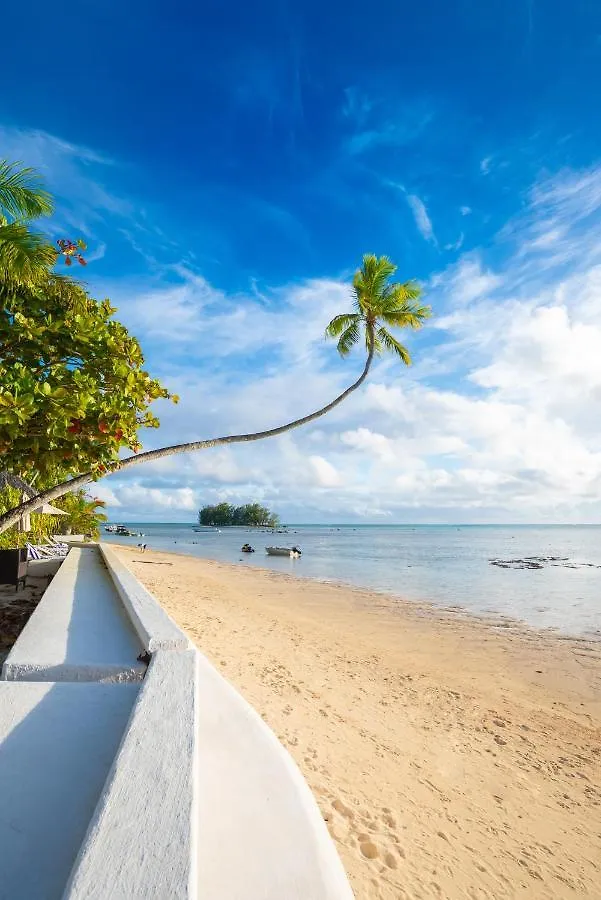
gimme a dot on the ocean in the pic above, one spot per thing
(544, 576)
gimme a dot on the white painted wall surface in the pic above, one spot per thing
(155, 629)
(200, 801)
(79, 631)
(140, 843)
(261, 835)
(57, 744)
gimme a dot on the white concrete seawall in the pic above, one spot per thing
(80, 630)
(131, 781)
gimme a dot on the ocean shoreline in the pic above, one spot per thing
(554, 588)
(449, 758)
(399, 603)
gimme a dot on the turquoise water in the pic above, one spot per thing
(444, 565)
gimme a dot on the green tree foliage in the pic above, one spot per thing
(84, 514)
(73, 388)
(225, 514)
(40, 526)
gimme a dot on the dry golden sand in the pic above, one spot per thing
(451, 758)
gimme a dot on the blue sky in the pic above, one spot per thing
(228, 167)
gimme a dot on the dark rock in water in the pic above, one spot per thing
(539, 562)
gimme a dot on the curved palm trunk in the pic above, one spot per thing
(13, 515)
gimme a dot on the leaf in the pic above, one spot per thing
(22, 194)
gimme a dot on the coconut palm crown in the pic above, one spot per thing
(379, 305)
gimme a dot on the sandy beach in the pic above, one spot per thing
(451, 757)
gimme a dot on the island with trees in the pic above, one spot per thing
(224, 514)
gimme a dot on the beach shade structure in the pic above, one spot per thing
(47, 510)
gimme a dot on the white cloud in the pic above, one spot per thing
(465, 210)
(371, 442)
(467, 280)
(104, 492)
(485, 165)
(422, 219)
(496, 420)
(456, 245)
(573, 193)
(374, 127)
(97, 253)
(190, 314)
(326, 474)
(512, 437)
(72, 172)
(145, 499)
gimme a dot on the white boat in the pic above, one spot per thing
(122, 530)
(292, 552)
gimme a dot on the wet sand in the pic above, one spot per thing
(451, 757)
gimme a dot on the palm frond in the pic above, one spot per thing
(22, 194)
(349, 338)
(24, 255)
(370, 281)
(340, 323)
(376, 270)
(407, 316)
(390, 344)
(401, 292)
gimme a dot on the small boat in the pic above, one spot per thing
(246, 548)
(122, 530)
(292, 552)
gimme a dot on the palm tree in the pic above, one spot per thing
(24, 254)
(84, 514)
(377, 304)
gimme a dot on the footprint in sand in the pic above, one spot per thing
(369, 849)
(341, 808)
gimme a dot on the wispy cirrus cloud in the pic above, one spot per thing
(77, 176)
(372, 125)
(422, 219)
(418, 210)
(73, 173)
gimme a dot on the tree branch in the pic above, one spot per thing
(12, 516)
